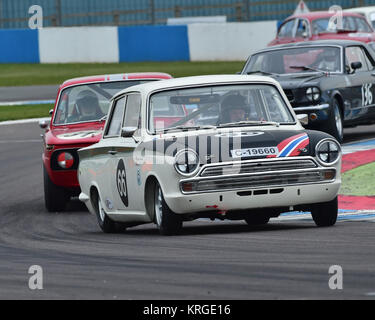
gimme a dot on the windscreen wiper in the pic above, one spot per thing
(249, 123)
(185, 128)
(309, 69)
(262, 72)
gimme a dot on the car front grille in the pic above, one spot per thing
(257, 174)
(261, 166)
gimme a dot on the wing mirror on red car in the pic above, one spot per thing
(43, 124)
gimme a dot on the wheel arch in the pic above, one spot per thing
(149, 193)
(337, 95)
(93, 194)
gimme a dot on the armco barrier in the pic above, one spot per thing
(19, 46)
(195, 42)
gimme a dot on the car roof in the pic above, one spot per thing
(361, 9)
(116, 77)
(331, 42)
(321, 14)
(196, 80)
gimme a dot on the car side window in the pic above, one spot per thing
(287, 29)
(302, 29)
(115, 122)
(349, 23)
(355, 54)
(361, 25)
(369, 59)
(133, 111)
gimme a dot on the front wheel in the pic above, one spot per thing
(55, 197)
(335, 122)
(166, 220)
(105, 223)
(325, 214)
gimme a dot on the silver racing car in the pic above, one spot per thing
(218, 147)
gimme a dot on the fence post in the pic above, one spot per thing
(152, 11)
(1, 13)
(54, 20)
(116, 18)
(177, 12)
(239, 12)
(247, 9)
(58, 13)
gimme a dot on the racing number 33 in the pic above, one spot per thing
(367, 96)
(121, 182)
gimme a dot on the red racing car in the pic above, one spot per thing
(323, 25)
(77, 121)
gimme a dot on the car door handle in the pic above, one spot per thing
(112, 152)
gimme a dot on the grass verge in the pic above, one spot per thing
(24, 112)
(49, 74)
(359, 182)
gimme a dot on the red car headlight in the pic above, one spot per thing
(65, 160)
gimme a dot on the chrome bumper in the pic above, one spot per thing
(312, 108)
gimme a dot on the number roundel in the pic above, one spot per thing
(121, 183)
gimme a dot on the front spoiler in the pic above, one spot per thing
(238, 200)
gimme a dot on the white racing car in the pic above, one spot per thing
(219, 147)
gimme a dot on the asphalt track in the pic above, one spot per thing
(286, 259)
(28, 93)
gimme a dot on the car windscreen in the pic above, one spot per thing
(296, 60)
(214, 106)
(88, 102)
(355, 24)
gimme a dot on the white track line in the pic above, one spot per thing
(7, 123)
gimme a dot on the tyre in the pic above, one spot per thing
(105, 223)
(255, 219)
(335, 125)
(166, 220)
(55, 197)
(325, 214)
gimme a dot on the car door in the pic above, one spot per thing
(361, 89)
(125, 175)
(111, 137)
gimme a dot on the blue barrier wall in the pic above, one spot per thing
(153, 43)
(19, 46)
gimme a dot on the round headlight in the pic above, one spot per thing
(313, 94)
(65, 160)
(186, 162)
(328, 151)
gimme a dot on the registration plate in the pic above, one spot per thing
(255, 152)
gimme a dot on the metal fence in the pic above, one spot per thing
(14, 13)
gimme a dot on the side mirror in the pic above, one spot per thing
(128, 132)
(303, 118)
(356, 65)
(43, 124)
(305, 35)
(51, 112)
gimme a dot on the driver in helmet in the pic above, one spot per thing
(87, 104)
(328, 60)
(233, 109)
